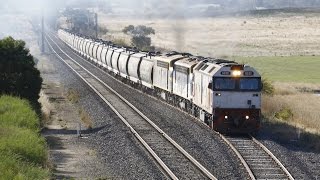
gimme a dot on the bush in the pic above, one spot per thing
(18, 75)
(142, 42)
(267, 88)
(128, 29)
(284, 114)
(139, 36)
(138, 30)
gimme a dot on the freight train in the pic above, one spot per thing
(223, 94)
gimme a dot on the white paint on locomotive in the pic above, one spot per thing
(163, 71)
(224, 94)
(183, 77)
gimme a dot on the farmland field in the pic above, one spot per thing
(283, 47)
(297, 69)
(280, 34)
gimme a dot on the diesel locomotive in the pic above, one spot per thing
(223, 94)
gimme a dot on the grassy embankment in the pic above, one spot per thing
(293, 103)
(23, 153)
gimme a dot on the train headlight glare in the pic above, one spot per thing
(225, 117)
(236, 73)
(247, 117)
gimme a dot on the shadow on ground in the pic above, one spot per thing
(70, 131)
(289, 136)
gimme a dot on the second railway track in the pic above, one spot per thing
(259, 162)
(171, 157)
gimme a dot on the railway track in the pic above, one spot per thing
(259, 162)
(174, 161)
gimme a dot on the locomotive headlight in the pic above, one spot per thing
(236, 73)
(247, 117)
(225, 117)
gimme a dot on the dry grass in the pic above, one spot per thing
(302, 127)
(273, 35)
(73, 95)
(85, 118)
(304, 106)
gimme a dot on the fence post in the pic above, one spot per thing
(79, 130)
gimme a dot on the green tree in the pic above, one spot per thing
(18, 74)
(140, 35)
(140, 30)
(142, 42)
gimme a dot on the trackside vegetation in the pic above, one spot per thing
(18, 74)
(23, 152)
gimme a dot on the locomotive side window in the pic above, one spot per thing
(249, 84)
(224, 84)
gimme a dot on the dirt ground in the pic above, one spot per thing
(67, 156)
(272, 35)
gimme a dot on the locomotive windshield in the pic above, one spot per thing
(237, 84)
(249, 84)
(225, 84)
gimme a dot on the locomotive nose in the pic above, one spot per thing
(237, 120)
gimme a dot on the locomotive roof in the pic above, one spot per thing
(186, 62)
(168, 59)
(206, 67)
(119, 50)
(139, 55)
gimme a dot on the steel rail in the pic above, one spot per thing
(262, 149)
(153, 154)
(273, 157)
(245, 164)
(167, 137)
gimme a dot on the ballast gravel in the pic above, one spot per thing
(121, 155)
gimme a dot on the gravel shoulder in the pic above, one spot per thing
(68, 156)
(108, 150)
(300, 158)
(200, 141)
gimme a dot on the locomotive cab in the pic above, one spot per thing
(236, 99)
(232, 96)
